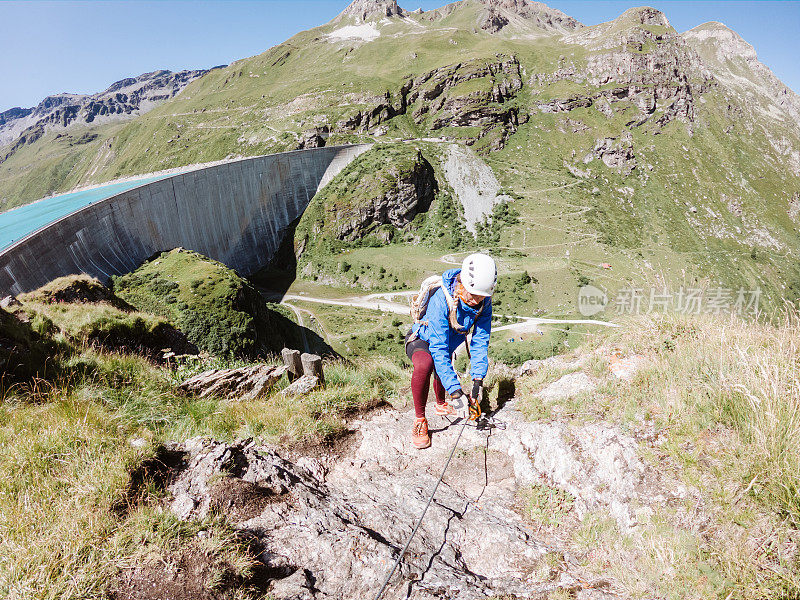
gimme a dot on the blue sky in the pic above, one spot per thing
(51, 47)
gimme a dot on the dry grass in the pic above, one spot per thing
(725, 394)
(66, 458)
(726, 372)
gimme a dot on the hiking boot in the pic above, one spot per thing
(419, 435)
(445, 410)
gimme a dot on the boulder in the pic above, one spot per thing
(302, 386)
(245, 383)
(334, 531)
(314, 138)
(10, 303)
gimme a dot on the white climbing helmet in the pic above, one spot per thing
(479, 274)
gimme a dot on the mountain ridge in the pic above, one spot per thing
(131, 95)
(669, 163)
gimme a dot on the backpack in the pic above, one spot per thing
(419, 304)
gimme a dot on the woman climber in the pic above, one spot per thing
(446, 310)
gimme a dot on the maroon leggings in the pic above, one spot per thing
(422, 360)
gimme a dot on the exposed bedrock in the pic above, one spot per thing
(438, 100)
(411, 193)
(330, 525)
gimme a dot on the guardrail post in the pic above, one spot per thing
(291, 358)
(312, 365)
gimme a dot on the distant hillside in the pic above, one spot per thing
(673, 157)
(122, 100)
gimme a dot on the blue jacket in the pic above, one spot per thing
(443, 339)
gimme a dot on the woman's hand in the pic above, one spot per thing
(477, 388)
(460, 402)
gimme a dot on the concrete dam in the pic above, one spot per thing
(236, 213)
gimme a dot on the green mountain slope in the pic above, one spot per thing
(675, 158)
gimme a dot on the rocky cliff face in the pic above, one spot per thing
(475, 94)
(500, 13)
(364, 10)
(125, 98)
(639, 59)
(735, 64)
(386, 186)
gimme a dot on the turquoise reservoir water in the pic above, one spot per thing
(19, 222)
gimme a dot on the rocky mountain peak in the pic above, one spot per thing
(643, 15)
(364, 10)
(735, 63)
(502, 12)
(121, 100)
(726, 43)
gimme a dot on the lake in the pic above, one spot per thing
(23, 220)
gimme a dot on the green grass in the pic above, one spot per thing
(218, 310)
(68, 518)
(546, 505)
(80, 309)
(358, 333)
(527, 346)
(27, 350)
(104, 324)
(723, 394)
(741, 375)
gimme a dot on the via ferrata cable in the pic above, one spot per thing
(422, 516)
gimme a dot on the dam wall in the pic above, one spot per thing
(236, 213)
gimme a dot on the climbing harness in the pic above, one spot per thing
(425, 510)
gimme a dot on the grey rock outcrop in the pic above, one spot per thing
(244, 383)
(302, 386)
(412, 192)
(10, 303)
(125, 98)
(568, 386)
(501, 13)
(532, 366)
(314, 138)
(639, 59)
(364, 10)
(493, 21)
(615, 153)
(330, 526)
(433, 100)
(489, 110)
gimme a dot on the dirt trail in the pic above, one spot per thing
(300, 321)
(377, 302)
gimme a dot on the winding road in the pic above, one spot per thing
(385, 303)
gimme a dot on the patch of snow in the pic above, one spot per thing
(366, 32)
